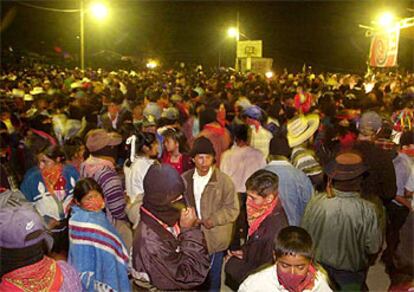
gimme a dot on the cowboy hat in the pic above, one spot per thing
(301, 128)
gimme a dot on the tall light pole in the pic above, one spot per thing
(99, 11)
(234, 32)
(82, 34)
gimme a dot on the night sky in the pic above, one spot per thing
(322, 34)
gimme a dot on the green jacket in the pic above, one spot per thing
(344, 229)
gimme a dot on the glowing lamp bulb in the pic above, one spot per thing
(99, 10)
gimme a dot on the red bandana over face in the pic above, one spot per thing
(256, 214)
(297, 283)
(94, 204)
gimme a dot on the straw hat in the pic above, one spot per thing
(301, 128)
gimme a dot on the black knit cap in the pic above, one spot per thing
(202, 145)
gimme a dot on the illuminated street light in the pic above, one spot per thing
(269, 74)
(233, 32)
(99, 11)
(386, 19)
(152, 64)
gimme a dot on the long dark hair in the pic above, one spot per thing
(178, 136)
(142, 139)
(84, 186)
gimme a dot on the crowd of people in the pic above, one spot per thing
(167, 180)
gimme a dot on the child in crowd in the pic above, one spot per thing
(294, 269)
(175, 150)
(96, 249)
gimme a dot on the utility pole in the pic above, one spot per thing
(82, 35)
(236, 66)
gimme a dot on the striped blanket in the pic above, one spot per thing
(97, 252)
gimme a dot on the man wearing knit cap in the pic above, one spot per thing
(213, 195)
(169, 251)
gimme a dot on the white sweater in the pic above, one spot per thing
(266, 280)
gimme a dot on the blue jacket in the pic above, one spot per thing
(56, 205)
(295, 189)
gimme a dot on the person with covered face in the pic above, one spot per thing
(24, 247)
(96, 249)
(49, 186)
(169, 250)
(294, 269)
(266, 218)
(101, 166)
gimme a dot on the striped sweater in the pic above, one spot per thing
(111, 185)
(305, 159)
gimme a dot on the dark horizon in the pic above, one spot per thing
(323, 34)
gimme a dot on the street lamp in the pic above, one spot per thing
(99, 11)
(152, 64)
(233, 33)
(386, 19)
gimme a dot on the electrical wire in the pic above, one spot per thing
(49, 9)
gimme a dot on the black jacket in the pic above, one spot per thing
(258, 249)
(170, 263)
(381, 179)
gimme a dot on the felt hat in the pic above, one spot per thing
(346, 166)
(99, 138)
